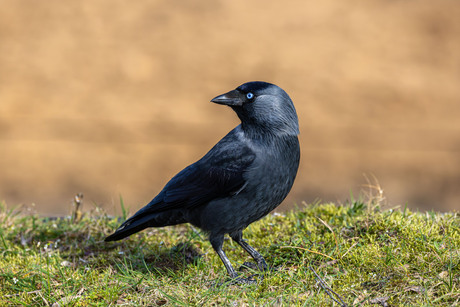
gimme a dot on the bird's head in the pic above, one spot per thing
(261, 105)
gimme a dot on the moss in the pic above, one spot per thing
(364, 254)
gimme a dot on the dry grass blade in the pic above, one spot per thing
(330, 229)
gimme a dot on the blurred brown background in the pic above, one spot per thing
(111, 98)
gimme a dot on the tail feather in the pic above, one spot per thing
(128, 228)
(141, 221)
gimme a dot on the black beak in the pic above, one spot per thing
(232, 98)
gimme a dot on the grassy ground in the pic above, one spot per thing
(365, 255)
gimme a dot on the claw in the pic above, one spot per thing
(239, 281)
(249, 266)
(243, 281)
(256, 267)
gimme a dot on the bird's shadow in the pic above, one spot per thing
(165, 261)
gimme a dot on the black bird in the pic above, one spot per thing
(241, 179)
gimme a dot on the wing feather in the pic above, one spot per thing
(219, 173)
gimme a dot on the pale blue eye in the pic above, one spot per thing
(249, 95)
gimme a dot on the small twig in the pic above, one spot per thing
(308, 250)
(328, 289)
(77, 204)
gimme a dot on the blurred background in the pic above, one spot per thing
(111, 98)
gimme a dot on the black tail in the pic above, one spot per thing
(142, 220)
(129, 227)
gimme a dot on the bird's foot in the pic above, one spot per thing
(238, 281)
(250, 266)
(256, 267)
(243, 281)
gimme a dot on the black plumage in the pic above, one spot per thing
(241, 179)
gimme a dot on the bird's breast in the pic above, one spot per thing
(267, 182)
(273, 174)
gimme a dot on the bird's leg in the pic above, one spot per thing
(238, 238)
(217, 242)
(231, 271)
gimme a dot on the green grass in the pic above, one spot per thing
(362, 253)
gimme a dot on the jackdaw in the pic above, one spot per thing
(241, 179)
